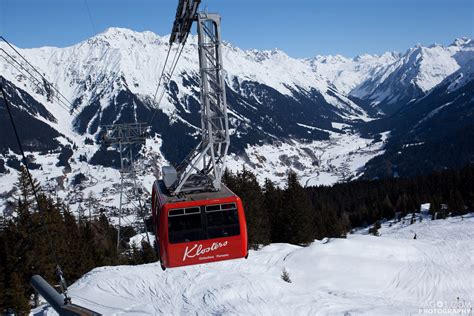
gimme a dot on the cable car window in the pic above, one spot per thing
(176, 212)
(227, 206)
(193, 210)
(184, 225)
(213, 208)
(222, 221)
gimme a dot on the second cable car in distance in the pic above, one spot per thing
(197, 219)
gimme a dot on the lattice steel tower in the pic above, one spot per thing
(203, 168)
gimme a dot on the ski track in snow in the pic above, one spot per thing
(362, 275)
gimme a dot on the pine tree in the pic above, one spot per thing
(374, 230)
(80, 212)
(258, 224)
(91, 204)
(435, 208)
(135, 255)
(402, 204)
(148, 253)
(327, 222)
(3, 254)
(410, 205)
(34, 242)
(298, 212)
(387, 208)
(74, 247)
(321, 211)
(345, 224)
(456, 203)
(229, 179)
(273, 203)
(285, 276)
(18, 258)
(16, 296)
(26, 189)
(413, 219)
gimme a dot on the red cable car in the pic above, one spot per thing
(198, 227)
(197, 219)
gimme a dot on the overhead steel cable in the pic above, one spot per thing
(162, 73)
(39, 84)
(174, 67)
(90, 16)
(50, 85)
(186, 14)
(159, 84)
(167, 80)
(111, 83)
(95, 33)
(58, 271)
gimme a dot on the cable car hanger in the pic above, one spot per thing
(197, 218)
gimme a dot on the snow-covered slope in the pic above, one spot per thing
(121, 57)
(393, 274)
(391, 80)
(112, 78)
(348, 74)
(422, 132)
(99, 68)
(285, 113)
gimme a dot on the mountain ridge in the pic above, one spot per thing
(324, 118)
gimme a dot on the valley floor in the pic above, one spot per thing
(393, 274)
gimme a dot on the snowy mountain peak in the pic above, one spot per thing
(267, 55)
(330, 59)
(123, 37)
(298, 112)
(362, 57)
(400, 78)
(462, 41)
(139, 56)
(114, 30)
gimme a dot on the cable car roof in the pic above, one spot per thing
(196, 196)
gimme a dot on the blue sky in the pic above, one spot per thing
(302, 28)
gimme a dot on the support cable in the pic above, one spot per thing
(179, 55)
(35, 81)
(58, 271)
(159, 84)
(162, 73)
(90, 17)
(89, 14)
(168, 79)
(50, 85)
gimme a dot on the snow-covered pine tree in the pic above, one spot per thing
(23, 184)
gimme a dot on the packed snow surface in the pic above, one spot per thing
(393, 274)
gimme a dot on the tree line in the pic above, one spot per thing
(41, 236)
(298, 215)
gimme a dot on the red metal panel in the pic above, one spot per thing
(201, 251)
(205, 251)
